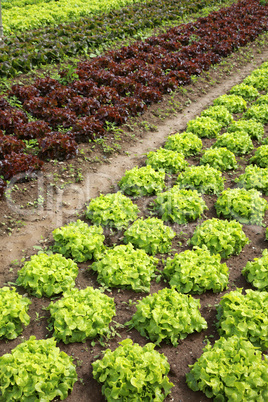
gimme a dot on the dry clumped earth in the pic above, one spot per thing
(27, 221)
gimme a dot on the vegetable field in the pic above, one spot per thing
(134, 201)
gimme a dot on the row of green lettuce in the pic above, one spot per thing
(23, 51)
(22, 16)
(172, 313)
(131, 369)
(7, 4)
(136, 373)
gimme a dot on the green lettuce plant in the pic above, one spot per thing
(258, 80)
(219, 158)
(233, 103)
(258, 72)
(167, 160)
(254, 177)
(260, 157)
(262, 100)
(167, 315)
(238, 142)
(47, 275)
(125, 267)
(246, 206)
(133, 373)
(142, 181)
(244, 315)
(36, 370)
(151, 235)
(187, 143)
(38, 14)
(79, 241)
(247, 92)
(179, 205)
(256, 271)
(196, 271)
(220, 236)
(13, 315)
(264, 66)
(218, 113)
(253, 128)
(114, 210)
(204, 127)
(81, 314)
(204, 179)
(258, 112)
(232, 370)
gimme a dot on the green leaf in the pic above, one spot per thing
(186, 143)
(37, 370)
(246, 206)
(114, 210)
(132, 372)
(179, 205)
(125, 267)
(151, 235)
(220, 237)
(167, 315)
(79, 241)
(196, 271)
(47, 275)
(168, 160)
(13, 315)
(204, 179)
(238, 142)
(245, 316)
(233, 103)
(142, 181)
(81, 314)
(225, 371)
(219, 158)
(204, 126)
(219, 113)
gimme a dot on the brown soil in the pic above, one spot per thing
(26, 225)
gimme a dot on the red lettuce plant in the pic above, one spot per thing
(112, 114)
(24, 92)
(16, 163)
(82, 106)
(10, 118)
(32, 130)
(60, 117)
(87, 128)
(38, 106)
(132, 104)
(4, 105)
(83, 87)
(57, 146)
(62, 96)
(46, 85)
(148, 94)
(8, 144)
